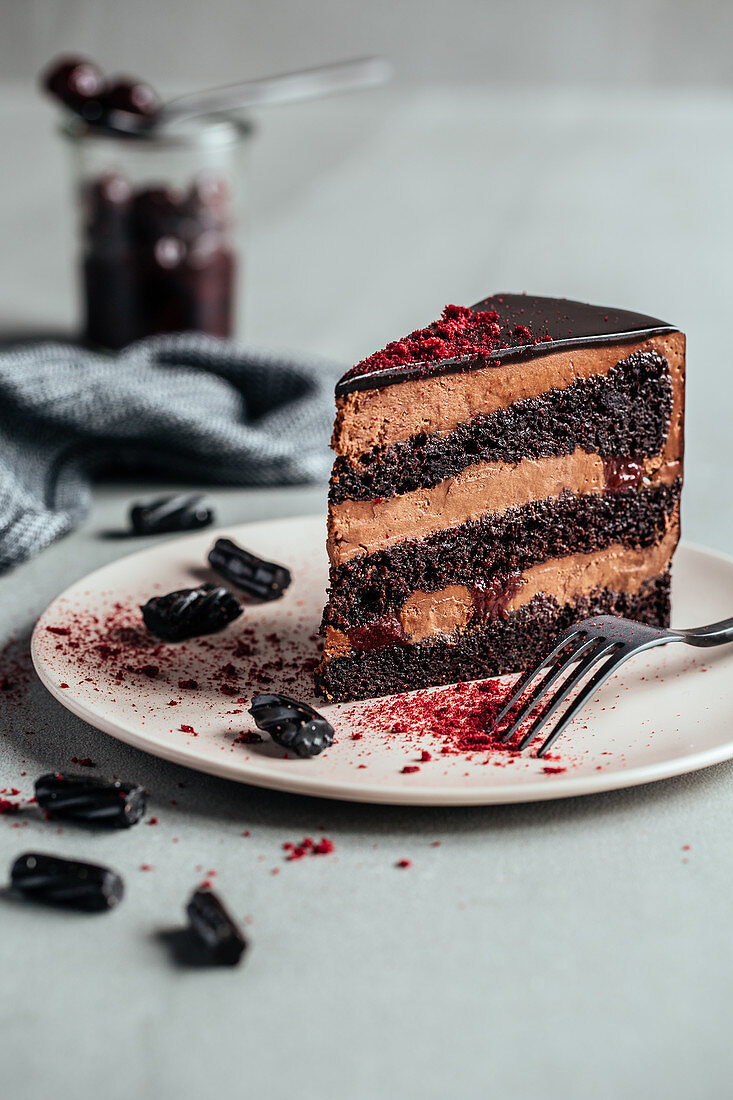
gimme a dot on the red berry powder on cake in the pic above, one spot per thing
(460, 333)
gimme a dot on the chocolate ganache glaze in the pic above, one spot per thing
(500, 328)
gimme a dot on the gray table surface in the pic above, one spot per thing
(567, 949)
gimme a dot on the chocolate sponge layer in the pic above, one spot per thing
(378, 584)
(503, 645)
(623, 413)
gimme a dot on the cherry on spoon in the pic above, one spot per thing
(290, 87)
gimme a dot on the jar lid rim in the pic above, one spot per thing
(204, 132)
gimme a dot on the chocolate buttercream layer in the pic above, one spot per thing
(502, 645)
(369, 586)
(457, 608)
(625, 411)
(376, 419)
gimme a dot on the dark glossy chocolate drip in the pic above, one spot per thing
(555, 322)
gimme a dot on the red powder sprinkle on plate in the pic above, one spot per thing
(188, 729)
(83, 761)
(410, 768)
(249, 737)
(152, 821)
(146, 867)
(403, 864)
(115, 654)
(458, 719)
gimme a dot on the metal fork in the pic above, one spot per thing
(605, 641)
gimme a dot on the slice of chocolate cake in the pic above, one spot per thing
(505, 471)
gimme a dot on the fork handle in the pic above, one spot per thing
(715, 634)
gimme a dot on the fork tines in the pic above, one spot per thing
(583, 647)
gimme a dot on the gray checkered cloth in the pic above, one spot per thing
(189, 406)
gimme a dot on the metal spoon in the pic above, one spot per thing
(364, 72)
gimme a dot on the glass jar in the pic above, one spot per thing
(160, 227)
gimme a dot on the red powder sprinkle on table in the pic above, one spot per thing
(83, 761)
(308, 847)
(146, 867)
(16, 671)
(152, 821)
(403, 864)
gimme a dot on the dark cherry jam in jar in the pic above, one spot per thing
(160, 225)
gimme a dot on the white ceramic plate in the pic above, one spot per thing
(668, 712)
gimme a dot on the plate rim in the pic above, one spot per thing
(546, 788)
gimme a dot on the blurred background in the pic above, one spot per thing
(660, 43)
(576, 149)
